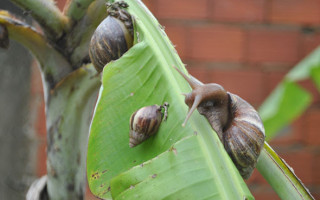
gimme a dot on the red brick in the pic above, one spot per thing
(89, 195)
(273, 46)
(37, 105)
(36, 82)
(295, 11)
(246, 84)
(178, 37)
(181, 9)
(310, 86)
(309, 43)
(60, 4)
(316, 171)
(238, 11)
(150, 4)
(41, 120)
(301, 162)
(291, 134)
(41, 158)
(316, 194)
(264, 195)
(312, 133)
(271, 80)
(256, 179)
(216, 43)
(264, 192)
(200, 73)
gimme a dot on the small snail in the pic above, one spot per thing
(236, 122)
(4, 37)
(145, 122)
(113, 37)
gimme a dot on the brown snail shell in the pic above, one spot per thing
(236, 122)
(145, 122)
(244, 137)
(113, 37)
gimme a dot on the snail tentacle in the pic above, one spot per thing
(236, 122)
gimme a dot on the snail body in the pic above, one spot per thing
(145, 122)
(236, 122)
(113, 37)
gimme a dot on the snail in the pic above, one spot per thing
(145, 122)
(4, 37)
(113, 37)
(236, 122)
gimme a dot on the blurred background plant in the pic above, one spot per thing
(249, 47)
(18, 140)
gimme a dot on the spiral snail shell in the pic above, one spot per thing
(236, 122)
(145, 122)
(113, 37)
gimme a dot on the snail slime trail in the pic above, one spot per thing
(145, 122)
(113, 37)
(236, 122)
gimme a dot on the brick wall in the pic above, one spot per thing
(248, 46)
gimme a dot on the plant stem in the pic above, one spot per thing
(53, 65)
(78, 40)
(47, 15)
(76, 9)
(69, 109)
(280, 176)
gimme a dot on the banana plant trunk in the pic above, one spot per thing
(70, 86)
(69, 110)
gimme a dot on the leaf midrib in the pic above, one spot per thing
(160, 45)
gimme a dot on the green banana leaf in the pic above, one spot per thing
(315, 74)
(178, 162)
(302, 70)
(289, 100)
(281, 176)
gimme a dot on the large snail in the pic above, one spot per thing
(145, 122)
(113, 37)
(236, 122)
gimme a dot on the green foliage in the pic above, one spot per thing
(315, 74)
(302, 70)
(70, 87)
(289, 100)
(286, 102)
(145, 76)
(192, 179)
(186, 163)
(281, 176)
